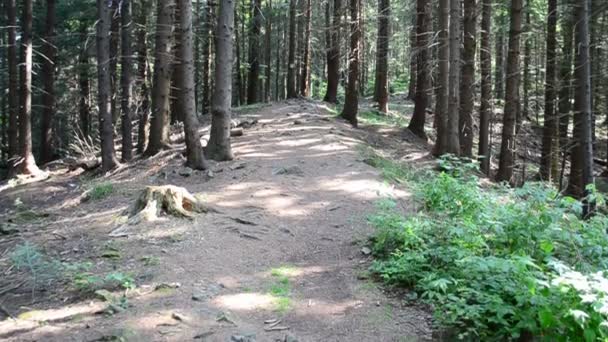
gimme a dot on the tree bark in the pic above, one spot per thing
(269, 16)
(351, 102)
(218, 148)
(333, 56)
(499, 90)
(143, 74)
(84, 85)
(423, 36)
(291, 67)
(254, 56)
(47, 152)
(565, 76)
(550, 126)
(207, 38)
(114, 40)
(176, 72)
(583, 151)
(305, 77)
(508, 147)
(108, 157)
(467, 85)
(194, 151)
(382, 46)
(453, 145)
(411, 92)
(126, 78)
(13, 81)
(485, 108)
(161, 86)
(443, 80)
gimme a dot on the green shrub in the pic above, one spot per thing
(100, 191)
(497, 263)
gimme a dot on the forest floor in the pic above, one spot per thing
(287, 243)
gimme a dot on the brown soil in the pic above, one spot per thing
(296, 197)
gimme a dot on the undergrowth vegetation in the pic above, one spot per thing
(495, 263)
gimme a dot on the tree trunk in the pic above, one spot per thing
(443, 80)
(254, 56)
(218, 148)
(526, 81)
(499, 90)
(269, 16)
(467, 85)
(291, 67)
(48, 75)
(114, 40)
(176, 72)
(194, 151)
(161, 86)
(423, 36)
(565, 76)
(144, 74)
(305, 78)
(582, 172)
(84, 86)
(454, 85)
(382, 46)
(351, 102)
(411, 92)
(550, 127)
(13, 81)
(126, 78)
(507, 147)
(485, 108)
(207, 36)
(108, 158)
(333, 56)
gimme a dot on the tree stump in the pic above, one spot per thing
(155, 201)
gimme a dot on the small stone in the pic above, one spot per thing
(210, 174)
(290, 170)
(178, 317)
(198, 297)
(186, 172)
(238, 166)
(298, 122)
(366, 251)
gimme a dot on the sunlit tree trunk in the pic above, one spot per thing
(453, 145)
(13, 80)
(218, 148)
(443, 80)
(508, 146)
(351, 102)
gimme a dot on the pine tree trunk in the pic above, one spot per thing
(126, 78)
(194, 151)
(106, 131)
(583, 168)
(565, 76)
(207, 36)
(114, 42)
(176, 72)
(143, 129)
(485, 108)
(291, 67)
(423, 33)
(467, 85)
(333, 56)
(499, 90)
(453, 145)
(526, 81)
(443, 80)
(218, 148)
(13, 81)
(84, 86)
(305, 78)
(161, 86)
(267, 89)
(351, 102)
(508, 147)
(254, 56)
(47, 152)
(382, 46)
(411, 92)
(550, 126)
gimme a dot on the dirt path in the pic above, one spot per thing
(285, 245)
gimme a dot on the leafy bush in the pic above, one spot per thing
(498, 263)
(100, 191)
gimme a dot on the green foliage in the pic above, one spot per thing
(100, 191)
(374, 117)
(280, 289)
(391, 171)
(44, 270)
(496, 263)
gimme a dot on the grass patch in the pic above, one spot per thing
(100, 191)
(280, 288)
(495, 263)
(374, 117)
(392, 171)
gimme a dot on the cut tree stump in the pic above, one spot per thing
(155, 201)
